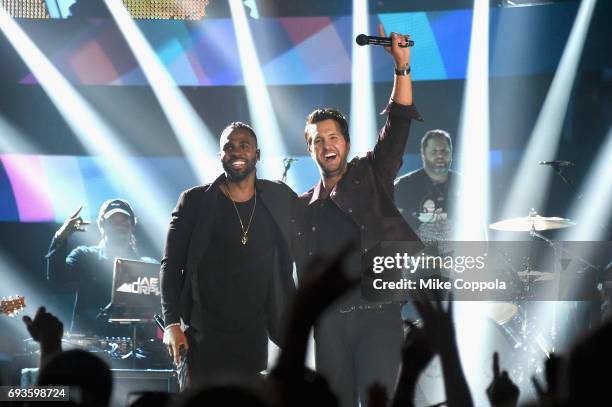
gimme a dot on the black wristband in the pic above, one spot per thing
(403, 72)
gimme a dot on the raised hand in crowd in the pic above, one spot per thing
(551, 394)
(47, 330)
(416, 355)
(502, 392)
(439, 330)
(326, 282)
(73, 224)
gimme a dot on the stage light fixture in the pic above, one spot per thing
(26, 8)
(528, 3)
(167, 9)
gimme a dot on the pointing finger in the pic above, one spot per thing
(495, 365)
(538, 387)
(74, 215)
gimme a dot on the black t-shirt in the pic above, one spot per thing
(234, 277)
(427, 206)
(331, 231)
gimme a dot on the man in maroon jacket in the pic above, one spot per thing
(358, 342)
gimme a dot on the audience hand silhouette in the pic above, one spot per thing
(45, 329)
(502, 392)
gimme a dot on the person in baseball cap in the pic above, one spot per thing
(89, 269)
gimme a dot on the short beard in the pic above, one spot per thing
(233, 176)
(437, 170)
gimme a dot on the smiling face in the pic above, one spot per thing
(328, 147)
(239, 154)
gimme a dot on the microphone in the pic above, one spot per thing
(287, 164)
(363, 39)
(557, 163)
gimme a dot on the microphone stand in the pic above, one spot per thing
(572, 187)
(566, 180)
(287, 164)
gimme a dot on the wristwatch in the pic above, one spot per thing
(403, 72)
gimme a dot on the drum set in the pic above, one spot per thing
(528, 325)
(503, 312)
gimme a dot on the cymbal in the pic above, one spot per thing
(532, 222)
(534, 275)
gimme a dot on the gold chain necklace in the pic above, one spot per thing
(245, 233)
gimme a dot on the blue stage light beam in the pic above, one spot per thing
(362, 127)
(472, 208)
(593, 211)
(263, 117)
(530, 184)
(93, 132)
(196, 140)
(12, 141)
(472, 153)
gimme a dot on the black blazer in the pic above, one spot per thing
(188, 238)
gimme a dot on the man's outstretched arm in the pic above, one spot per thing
(389, 150)
(402, 84)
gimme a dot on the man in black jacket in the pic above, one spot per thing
(358, 342)
(228, 263)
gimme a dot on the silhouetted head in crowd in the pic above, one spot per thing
(224, 395)
(316, 391)
(589, 369)
(81, 370)
(150, 399)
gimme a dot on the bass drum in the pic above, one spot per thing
(501, 312)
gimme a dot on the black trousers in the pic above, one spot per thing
(355, 349)
(222, 357)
